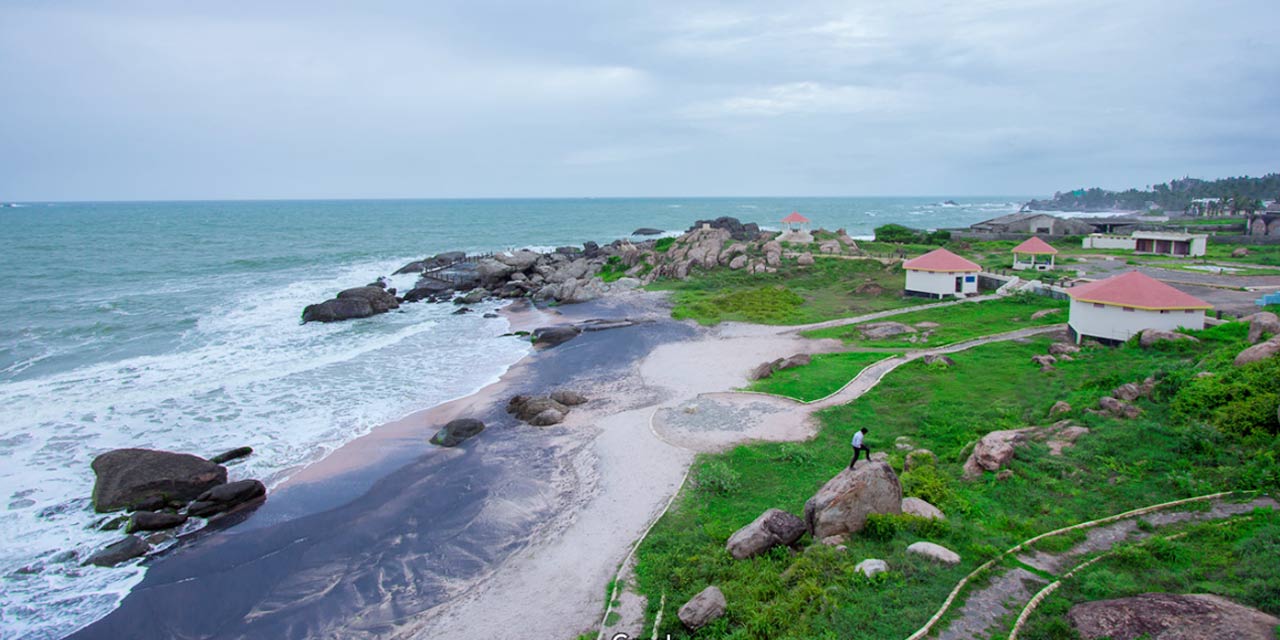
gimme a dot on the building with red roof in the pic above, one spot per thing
(1117, 308)
(940, 273)
(1028, 255)
(795, 228)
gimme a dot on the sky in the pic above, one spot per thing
(229, 100)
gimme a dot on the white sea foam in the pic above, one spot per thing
(247, 373)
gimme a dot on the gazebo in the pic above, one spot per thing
(796, 222)
(1025, 254)
(940, 273)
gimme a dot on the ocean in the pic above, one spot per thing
(175, 325)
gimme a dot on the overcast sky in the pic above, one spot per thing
(183, 100)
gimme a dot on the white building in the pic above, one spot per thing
(940, 273)
(1120, 307)
(1170, 243)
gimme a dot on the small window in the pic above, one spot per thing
(1128, 309)
(1164, 311)
(1189, 311)
(1097, 306)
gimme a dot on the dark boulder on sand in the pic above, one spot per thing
(337, 310)
(527, 408)
(226, 497)
(128, 477)
(117, 552)
(456, 431)
(554, 336)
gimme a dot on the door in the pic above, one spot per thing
(959, 284)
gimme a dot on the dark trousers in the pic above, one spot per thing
(857, 451)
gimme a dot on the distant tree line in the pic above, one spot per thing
(1224, 196)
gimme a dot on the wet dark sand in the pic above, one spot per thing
(391, 527)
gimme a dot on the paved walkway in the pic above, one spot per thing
(987, 611)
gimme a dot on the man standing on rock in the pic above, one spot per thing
(858, 447)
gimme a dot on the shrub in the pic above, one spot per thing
(663, 244)
(929, 484)
(612, 269)
(881, 526)
(716, 477)
(1239, 400)
(792, 453)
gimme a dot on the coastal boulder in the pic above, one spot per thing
(113, 554)
(153, 521)
(568, 398)
(526, 408)
(1151, 337)
(456, 431)
(737, 230)
(773, 527)
(379, 300)
(233, 454)
(547, 417)
(337, 310)
(702, 609)
(1169, 616)
(843, 503)
(128, 477)
(518, 260)
(548, 337)
(492, 272)
(647, 231)
(226, 497)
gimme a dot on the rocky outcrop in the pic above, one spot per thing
(1258, 352)
(539, 411)
(226, 497)
(774, 527)
(934, 552)
(646, 231)
(568, 398)
(702, 609)
(113, 554)
(766, 369)
(153, 521)
(129, 477)
(735, 228)
(455, 432)
(336, 310)
(1168, 616)
(547, 337)
(994, 450)
(921, 508)
(1152, 337)
(844, 502)
(233, 454)
(547, 417)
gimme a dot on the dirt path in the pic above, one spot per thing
(986, 611)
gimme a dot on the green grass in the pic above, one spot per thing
(825, 375)
(1234, 560)
(957, 322)
(794, 295)
(1120, 465)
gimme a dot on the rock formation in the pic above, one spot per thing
(843, 503)
(455, 432)
(774, 527)
(128, 477)
(702, 609)
(1168, 616)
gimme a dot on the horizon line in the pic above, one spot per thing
(496, 198)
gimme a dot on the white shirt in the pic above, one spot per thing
(857, 439)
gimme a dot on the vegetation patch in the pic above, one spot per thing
(1120, 465)
(825, 290)
(957, 323)
(826, 374)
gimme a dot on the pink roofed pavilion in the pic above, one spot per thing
(796, 222)
(940, 273)
(1118, 308)
(1028, 255)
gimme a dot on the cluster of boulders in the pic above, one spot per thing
(766, 369)
(1058, 352)
(994, 450)
(1120, 403)
(840, 508)
(544, 411)
(360, 302)
(163, 490)
(1261, 325)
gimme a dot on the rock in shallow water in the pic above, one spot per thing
(128, 477)
(226, 497)
(117, 552)
(153, 521)
(234, 454)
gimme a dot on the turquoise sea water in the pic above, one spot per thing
(174, 325)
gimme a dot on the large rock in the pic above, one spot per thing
(843, 503)
(702, 609)
(337, 310)
(737, 230)
(492, 272)
(233, 454)
(128, 477)
(226, 497)
(379, 300)
(871, 566)
(518, 260)
(994, 451)
(1151, 337)
(934, 552)
(1167, 616)
(527, 408)
(554, 336)
(879, 330)
(773, 527)
(1258, 352)
(113, 554)
(153, 521)
(1118, 408)
(918, 507)
(456, 431)
(1263, 323)
(547, 417)
(568, 398)
(647, 231)
(805, 259)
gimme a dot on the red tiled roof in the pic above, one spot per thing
(1035, 246)
(940, 260)
(1136, 290)
(795, 217)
